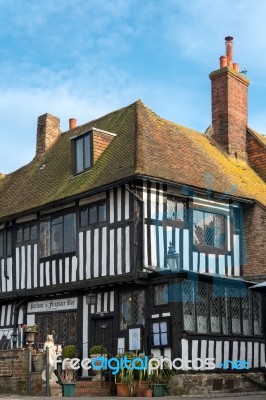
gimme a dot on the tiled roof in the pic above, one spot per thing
(145, 144)
(261, 138)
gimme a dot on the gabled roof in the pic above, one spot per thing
(145, 145)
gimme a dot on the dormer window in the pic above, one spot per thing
(82, 153)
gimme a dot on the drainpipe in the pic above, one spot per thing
(15, 313)
(141, 201)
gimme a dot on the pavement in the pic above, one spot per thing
(261, 395)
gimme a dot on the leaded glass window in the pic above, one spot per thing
(27, 233)
(175, 209)
(58, 235)
(208, 229)
(235, 310)
(1, 244)
(247, 314)
(257, 313)
(188, 299)
(220, 308)
(160, 293)
(83, 153)
(215, 309)
(132, 309)
(93, 214)
(5, 243)
(61, 325)
(225, 312)
(202, 307)
(159, 334)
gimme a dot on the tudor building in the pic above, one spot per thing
(163, 226)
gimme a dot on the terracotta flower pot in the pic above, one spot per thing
(123, 390)
(147, 392)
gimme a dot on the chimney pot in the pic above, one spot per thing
(229, 50)
(236, 67)
(223, 61)
(72, 123)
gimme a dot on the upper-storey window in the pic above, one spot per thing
(27, 233)
(58, 235)
(5, 243)
(208, 229)
(82, 153)
(93, 214)
(175, 208)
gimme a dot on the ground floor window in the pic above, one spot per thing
(159, 333)
(61, 325)
(217, 308)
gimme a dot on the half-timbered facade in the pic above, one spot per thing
(151, 218)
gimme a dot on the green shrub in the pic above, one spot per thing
(70, 351)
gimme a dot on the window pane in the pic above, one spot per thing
(1, 244)
(188, 305)
(257, 311)
(247, 314)
(26, 233)
(19, 234)
(125, 310)
(45, 238)
(102, 212)
(175, 209)
(79, 155)
(33, 232)
(215, 309)
(156, 328)
(156, 339)
(164, 340)
(9, 243)
(69, 232)
(202, 307)
(87, 152)
(171, 214)
(225, 312)
(84, 217)
(160, 294)
(208, 229)
(93, 214)
(198, 227)
(163, 326)
(235, 310)
(138, 307)
(57, 239)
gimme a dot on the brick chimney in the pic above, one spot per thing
(229, 105)
(48, 131)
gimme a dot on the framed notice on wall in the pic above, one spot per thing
(134, 338)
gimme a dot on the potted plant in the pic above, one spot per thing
(38, 360)
(68, 374)
(30, 332)
(30, 328)
(97, 351)
(125, 379)
(159, 378)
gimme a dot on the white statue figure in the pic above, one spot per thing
(49, 345)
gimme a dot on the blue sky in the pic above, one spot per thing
(85, 58)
